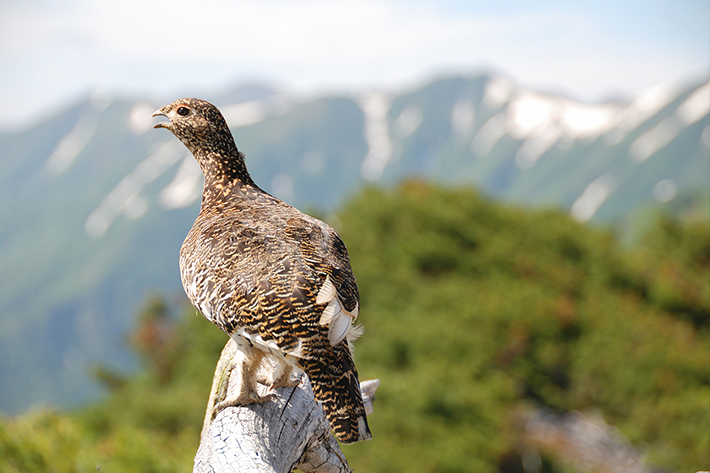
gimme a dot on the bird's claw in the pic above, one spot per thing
(243, 399)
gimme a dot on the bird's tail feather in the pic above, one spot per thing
(336, 386)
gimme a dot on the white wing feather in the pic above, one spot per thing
(338, 320)
(330, 312)
(339, 328)
(327, 292)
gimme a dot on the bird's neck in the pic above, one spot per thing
(225, 177)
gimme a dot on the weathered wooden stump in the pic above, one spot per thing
(287, 432)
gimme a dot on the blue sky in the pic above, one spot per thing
(52, 52)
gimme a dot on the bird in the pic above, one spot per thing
(277, 281)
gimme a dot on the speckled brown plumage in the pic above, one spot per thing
(274, 279)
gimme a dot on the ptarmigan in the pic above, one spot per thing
(275, 280)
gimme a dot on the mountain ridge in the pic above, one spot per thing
(95, 204)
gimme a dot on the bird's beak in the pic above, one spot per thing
(161, 113)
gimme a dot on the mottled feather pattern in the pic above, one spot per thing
(255, 266)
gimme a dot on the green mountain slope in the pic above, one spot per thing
(94, 203)
(475, 313)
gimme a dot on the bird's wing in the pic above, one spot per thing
(324, 252)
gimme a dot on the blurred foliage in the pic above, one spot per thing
(149, 422)
(474, 313)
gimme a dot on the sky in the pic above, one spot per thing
(53, 52)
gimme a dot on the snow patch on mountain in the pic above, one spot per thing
(650, 101)
(463, 115)
(594, 195)
(655, 139)
(533, 149)
(665, 190)
(69, 147)
(375, 107)
(695, 107)
(186, 186)
(140, 118)
(540, 122)
(705, 138)
(126, 197)
(530, 113)
(407, 121)
(490, 133)
(241, 114)
(245, 113)
(498, 91)
(646, 103)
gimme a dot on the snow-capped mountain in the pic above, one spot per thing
(94, 204)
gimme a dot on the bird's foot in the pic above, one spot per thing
(243, 399)
(286, 381)
(235, 381)
(264, 379)
(279, 377)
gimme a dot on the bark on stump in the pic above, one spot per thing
(277, 436)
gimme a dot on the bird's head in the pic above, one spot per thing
(197, 123)
(203, 130)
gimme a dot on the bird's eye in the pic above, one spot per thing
(183, 111)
